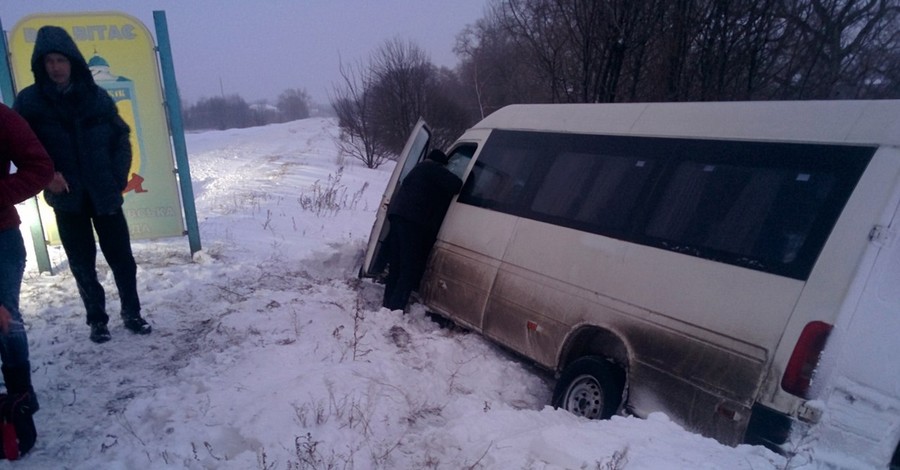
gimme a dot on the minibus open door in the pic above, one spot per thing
(414, 151)
(861, 384)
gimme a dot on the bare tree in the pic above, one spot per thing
(467, 48)
(381, 101)
(445, 110)
(678, 50)
(293, 104)
(624, 50)
(825, 41)
(226, 112)
(352, 103)
(879, 66)
(579, 48)
(402, 77)
(497, 68)
(759, 31)
(536, 29)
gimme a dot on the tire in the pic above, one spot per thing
(590, 387)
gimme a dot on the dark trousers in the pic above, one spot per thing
(77, 234)
(409, 245)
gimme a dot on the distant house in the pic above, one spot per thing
(264, 108)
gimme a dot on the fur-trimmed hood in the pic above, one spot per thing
(56, 39)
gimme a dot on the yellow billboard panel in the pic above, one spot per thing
(122, 58)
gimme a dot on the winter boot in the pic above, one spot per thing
(16, 426)
(18, 384)
(16, 410)
(136, 324)
(100, 333)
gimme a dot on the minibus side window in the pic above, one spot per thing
(459, 159)
(711, 205)
(498, 178)
(562, 189)
(609, 202)
(761, 205)
(592, 191)
(802, 198)
(762, 215)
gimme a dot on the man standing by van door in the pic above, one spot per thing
(415, 215)
(80, 127)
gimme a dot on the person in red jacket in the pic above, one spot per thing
(33, 171)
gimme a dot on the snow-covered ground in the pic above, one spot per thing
(269, 353)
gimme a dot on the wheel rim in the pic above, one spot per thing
(585, 397)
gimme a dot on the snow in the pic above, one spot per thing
(268, 353)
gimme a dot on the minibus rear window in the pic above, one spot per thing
(763, 206)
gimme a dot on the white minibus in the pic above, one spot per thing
(688, 258)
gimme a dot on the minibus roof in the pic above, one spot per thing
(871, 122)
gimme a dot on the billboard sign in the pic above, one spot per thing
(121, 56)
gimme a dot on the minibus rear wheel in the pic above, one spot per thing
(591, 387)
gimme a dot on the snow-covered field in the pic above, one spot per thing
(269, 353)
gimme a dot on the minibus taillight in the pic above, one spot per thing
(799, 371)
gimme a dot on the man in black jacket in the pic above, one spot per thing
(79, 125)
(415, 215)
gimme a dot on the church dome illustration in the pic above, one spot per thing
(99, 68)
(98, 61)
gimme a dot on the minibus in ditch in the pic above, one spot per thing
(687, 258)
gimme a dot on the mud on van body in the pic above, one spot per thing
(689, 258)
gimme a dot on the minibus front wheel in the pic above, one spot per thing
(591, 387)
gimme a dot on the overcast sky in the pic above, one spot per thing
(257, 49)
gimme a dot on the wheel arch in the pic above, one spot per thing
(592, 340)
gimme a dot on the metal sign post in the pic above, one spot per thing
(176, 128)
